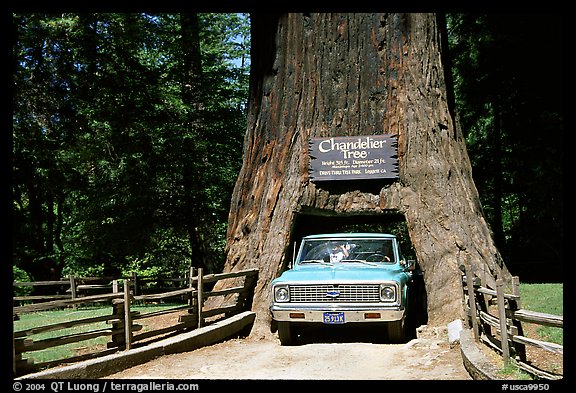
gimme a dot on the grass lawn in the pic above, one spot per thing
(546, 298)
(43, 318)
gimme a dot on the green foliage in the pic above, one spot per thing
(509, 90)
(19, 275)
(511, 371)
(82, 270)
(116, 157)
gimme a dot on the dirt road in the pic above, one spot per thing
(428, 357)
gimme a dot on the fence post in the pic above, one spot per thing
(190, 284)
(117, 339)
(503, 324)
(73, 290)
(127, 316)
(135, 284)
(516, 290)
(246, 298)
(200, 297)
(520, 349)
(191, 319)
(472, 300)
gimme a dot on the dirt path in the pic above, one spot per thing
(428, 357)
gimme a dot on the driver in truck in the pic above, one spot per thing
(339, 252)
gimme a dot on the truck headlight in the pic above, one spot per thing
(387, 293)
(281, 294)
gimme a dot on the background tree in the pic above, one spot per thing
(111, 149)
(510, 100)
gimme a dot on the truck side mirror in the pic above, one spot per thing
(411, 264)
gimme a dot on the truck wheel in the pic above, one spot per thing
(286, 333)
(397, 331)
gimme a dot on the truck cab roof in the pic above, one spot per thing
(350, 236)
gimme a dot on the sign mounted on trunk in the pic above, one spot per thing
(353, 157)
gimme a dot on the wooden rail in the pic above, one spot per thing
(73, 287)
(503, 332)
(122, 329)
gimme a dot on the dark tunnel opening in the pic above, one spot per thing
(392, 222)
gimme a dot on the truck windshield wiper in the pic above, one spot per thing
(321, 261)
(360, 261)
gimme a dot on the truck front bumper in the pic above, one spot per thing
(294, 313)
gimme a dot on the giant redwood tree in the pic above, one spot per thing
(329, 75)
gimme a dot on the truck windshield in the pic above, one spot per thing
(347, 250)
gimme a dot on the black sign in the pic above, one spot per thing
(354, 157)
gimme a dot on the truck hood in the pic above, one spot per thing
(342, 273)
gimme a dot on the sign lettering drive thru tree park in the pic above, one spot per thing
(353, 157)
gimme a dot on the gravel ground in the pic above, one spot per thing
(352, 355)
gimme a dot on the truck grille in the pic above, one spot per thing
(335, 293)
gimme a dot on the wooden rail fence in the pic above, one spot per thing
(501, 329)
(72, 287)
(122, 327)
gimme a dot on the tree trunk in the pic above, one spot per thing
(324, 75)
(192, 75)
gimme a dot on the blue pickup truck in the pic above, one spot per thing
(343, 278)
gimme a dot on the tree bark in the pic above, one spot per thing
(318, 75)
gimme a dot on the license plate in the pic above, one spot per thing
(333, 317)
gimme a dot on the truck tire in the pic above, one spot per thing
(286, 333)
(397, 331)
